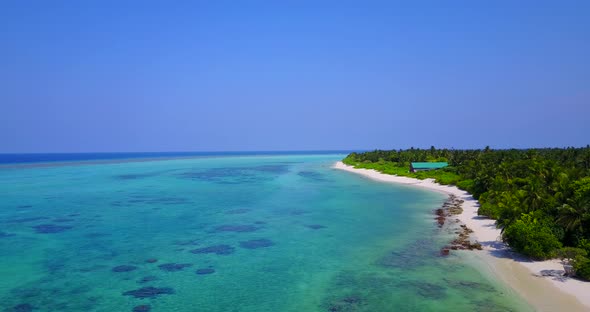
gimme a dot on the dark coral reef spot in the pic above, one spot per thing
(142, 308)
(216, 249)
(4, 234)
(298, 212)
(348, 303)
(192, 242)
(236, 228)
(149, 200)
(147, 279)
(173, 267)
(50, 228)
(237, 211)
(277, 169)
(411, 256)
(23, 307)
(237, 175)
(316, 226)
(63, 220)
(151, 260)
(426, 290)
(149, 292)
(24, 206)
(24, 220)
(312, 175)
(205, 271)
(132, 176)
(55, 264)
(469, 285)
(257, 243)
(217, 175)
(124, 268)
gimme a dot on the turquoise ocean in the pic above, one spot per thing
(227, 233)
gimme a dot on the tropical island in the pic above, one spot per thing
(525, 208)
(540, 198)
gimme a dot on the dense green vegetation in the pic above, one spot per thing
(539, 197)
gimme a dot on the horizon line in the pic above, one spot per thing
(297, 150)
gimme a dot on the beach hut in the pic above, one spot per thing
(425, 166)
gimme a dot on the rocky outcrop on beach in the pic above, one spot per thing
(451, 207)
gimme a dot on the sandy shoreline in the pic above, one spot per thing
(544, 293)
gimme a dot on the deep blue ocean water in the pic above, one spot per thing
(31, 158)
(226, 233)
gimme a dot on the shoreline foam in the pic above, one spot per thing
(544, 293)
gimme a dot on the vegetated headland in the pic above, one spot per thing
(539, 198)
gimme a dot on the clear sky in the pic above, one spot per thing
(88, 76)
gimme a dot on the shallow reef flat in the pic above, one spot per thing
(280, 233)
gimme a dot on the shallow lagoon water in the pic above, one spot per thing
(251, 233)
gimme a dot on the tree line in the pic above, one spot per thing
(539, 197)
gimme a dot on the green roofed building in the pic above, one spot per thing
(424, 166)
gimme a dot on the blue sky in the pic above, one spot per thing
(88, 76)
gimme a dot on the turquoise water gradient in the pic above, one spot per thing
(291, 234)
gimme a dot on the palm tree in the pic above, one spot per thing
(535, 195)
(574, 213)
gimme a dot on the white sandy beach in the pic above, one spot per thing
(544, 293)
